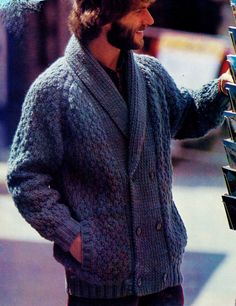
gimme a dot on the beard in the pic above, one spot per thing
(123, 37)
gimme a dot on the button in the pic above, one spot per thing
(138, 231)
(128, 285)
(139, 281)
(158, 226)
(173, 258)
(152, 175)
(164, 277)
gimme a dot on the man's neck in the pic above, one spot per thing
(104, 52)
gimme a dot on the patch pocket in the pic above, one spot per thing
(106, 249)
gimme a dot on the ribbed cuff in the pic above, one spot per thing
(87, 247)
(219, 102)
(67, 233)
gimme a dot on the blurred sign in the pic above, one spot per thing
(191, 59)
(3, 66)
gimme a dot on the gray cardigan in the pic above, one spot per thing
(84, 161)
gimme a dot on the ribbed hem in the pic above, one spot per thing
(79, 288)
(67, 233)
(159, 280)
(151, 283)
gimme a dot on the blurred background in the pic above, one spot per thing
(191, 40)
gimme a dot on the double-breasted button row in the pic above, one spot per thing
(164, 277)
(138, 231)
(158, 226)
(152, 175)
(139, 281)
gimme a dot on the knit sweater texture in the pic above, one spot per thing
(83, 161)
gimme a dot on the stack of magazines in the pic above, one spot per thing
(229, 171)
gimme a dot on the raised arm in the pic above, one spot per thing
(191, 113)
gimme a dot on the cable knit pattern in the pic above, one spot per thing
(79, 165)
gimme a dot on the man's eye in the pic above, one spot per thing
(138, 11)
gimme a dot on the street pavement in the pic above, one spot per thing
(30, 277)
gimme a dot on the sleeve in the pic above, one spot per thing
(36, 156)
(193, 113)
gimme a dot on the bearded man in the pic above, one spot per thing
(90, 165)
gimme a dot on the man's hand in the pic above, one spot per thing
(225, 78)
(76, 249)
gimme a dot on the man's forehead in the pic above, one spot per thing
(147, 1)
(139, 3)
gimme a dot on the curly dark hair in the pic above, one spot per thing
(88, 16)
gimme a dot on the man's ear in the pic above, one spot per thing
(107, 27)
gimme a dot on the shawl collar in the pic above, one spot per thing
(105, 92)
(138, 113)
(96, 80)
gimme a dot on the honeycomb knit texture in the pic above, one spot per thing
(85, 162)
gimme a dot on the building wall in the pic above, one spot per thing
(42, 41)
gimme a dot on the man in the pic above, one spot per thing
(90, 165)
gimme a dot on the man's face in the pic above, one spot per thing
(127, 33)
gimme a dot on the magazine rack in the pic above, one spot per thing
(229, 200)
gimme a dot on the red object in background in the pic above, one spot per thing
(224, 66)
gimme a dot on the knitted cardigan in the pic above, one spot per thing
(82, 161)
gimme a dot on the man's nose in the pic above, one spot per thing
(148, 18)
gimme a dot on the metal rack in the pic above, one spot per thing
(229, 199)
